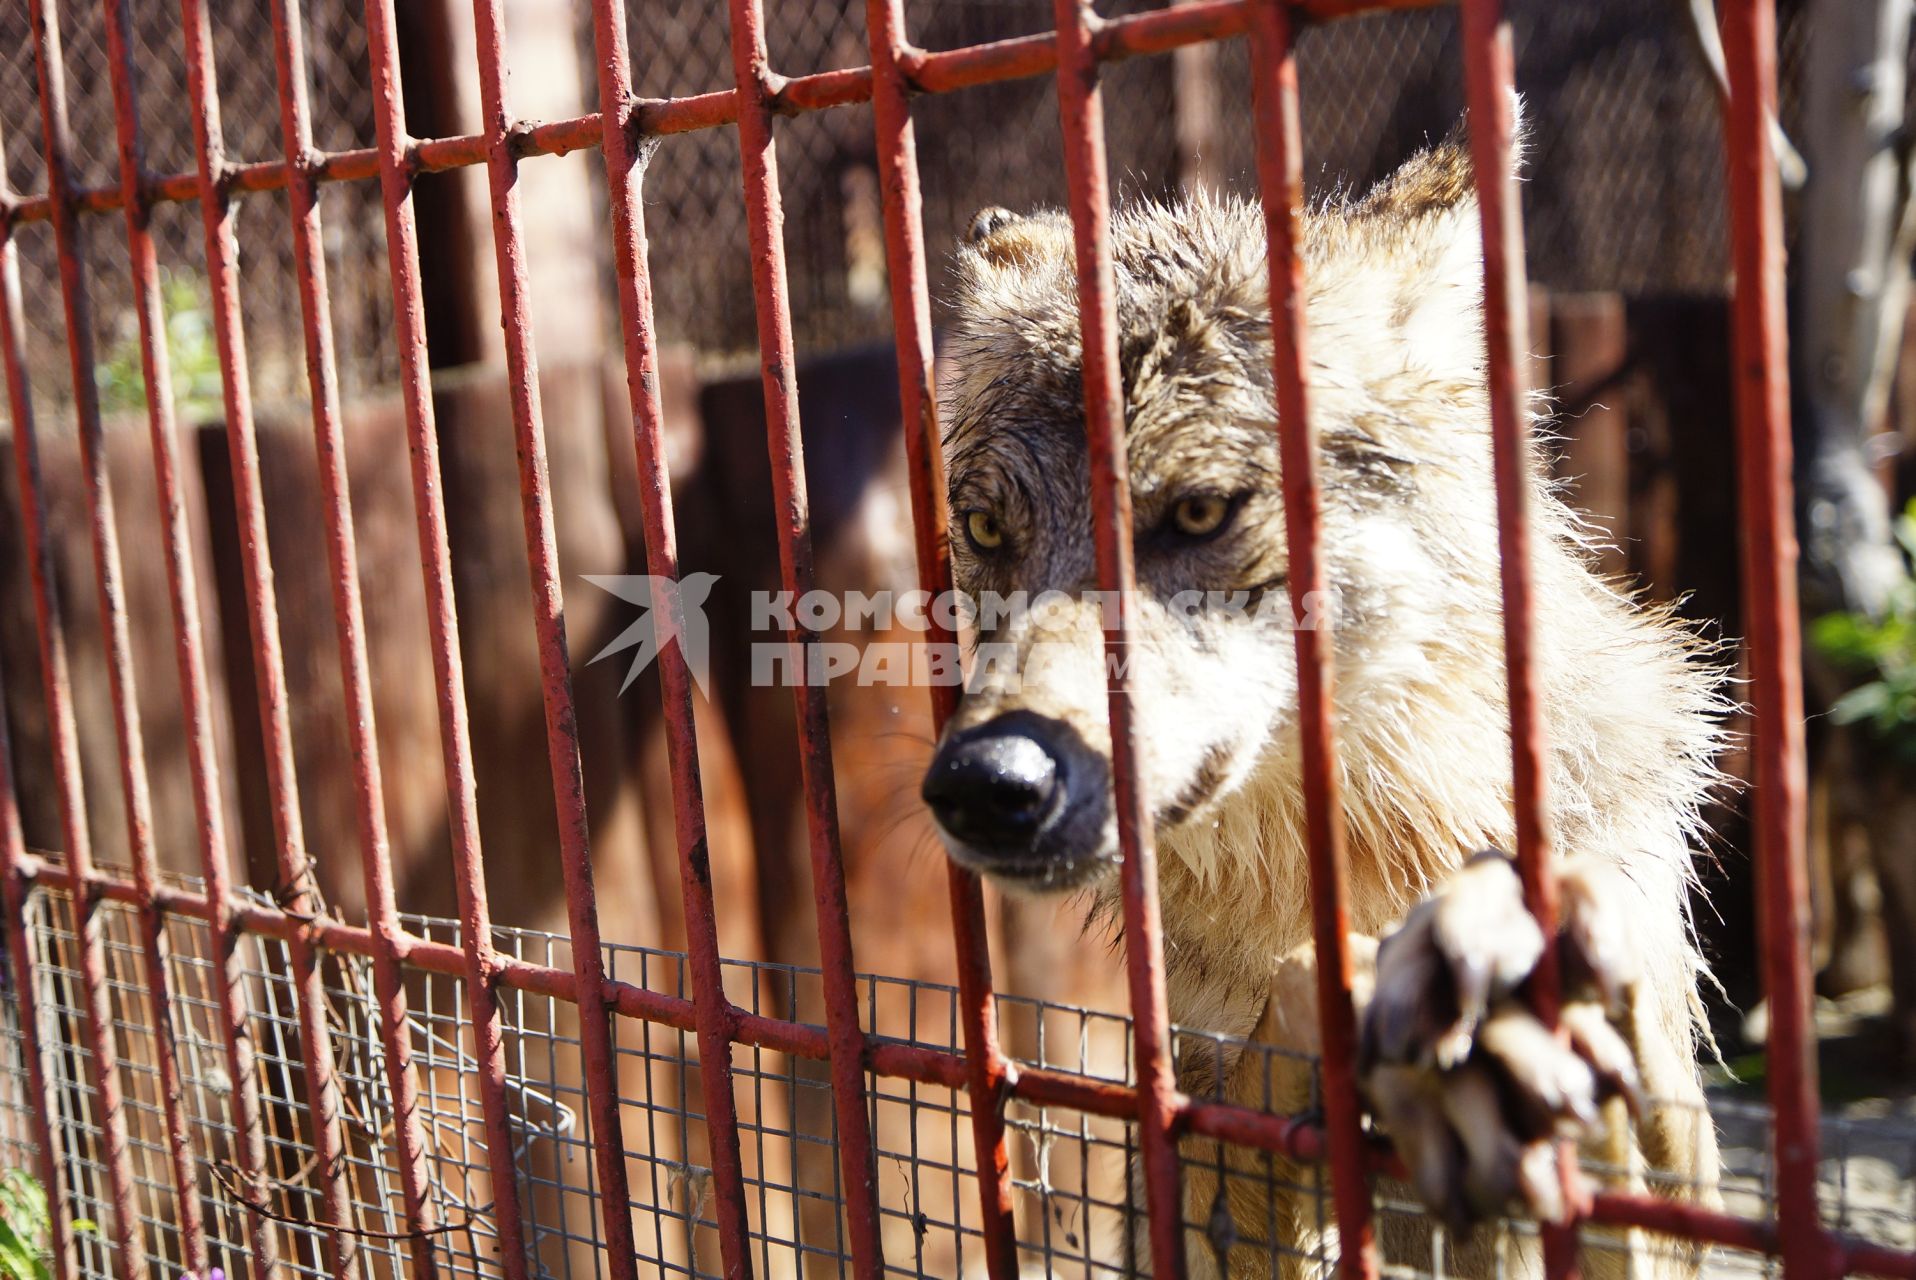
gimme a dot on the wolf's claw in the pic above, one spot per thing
(1472, 1087)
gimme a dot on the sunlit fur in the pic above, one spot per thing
(1397, 394)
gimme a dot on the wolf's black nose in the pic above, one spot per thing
(1022, 797)
(996, 786)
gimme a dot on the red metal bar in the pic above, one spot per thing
(1863, 1258)
(69, 239)
(189, 649)
(548, 604)
(1301, 1137)
(1280, 153)
(1082, 118)
(1082, 41)
(14, 861)
(1771, 624)
(296, 887)
(757, 87)
(1489, 70)
(442, 620)
(40, 1104)
(903, 208)
(715, 1017)
(1490, 90)
(409, 324)
(222, 252)
(1132, 35)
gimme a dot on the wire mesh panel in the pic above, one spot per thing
(214, 1074)
(1075, 1203)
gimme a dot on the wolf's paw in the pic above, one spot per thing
(1470, 1086)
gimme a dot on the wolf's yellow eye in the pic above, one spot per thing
(983, 530)
(1201, 516)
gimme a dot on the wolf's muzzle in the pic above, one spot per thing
(1021, 797)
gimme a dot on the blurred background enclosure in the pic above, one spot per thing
(1623, 190)
(1625, 223)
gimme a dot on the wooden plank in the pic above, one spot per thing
(1588, 333)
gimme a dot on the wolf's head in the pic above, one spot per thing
(1020, 785)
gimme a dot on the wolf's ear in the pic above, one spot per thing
(1415, 241)
(1002, 238)
(1441, 179)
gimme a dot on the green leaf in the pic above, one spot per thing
(1906, 529)
(1842, 638)
(23, 1223)
(1865, 702)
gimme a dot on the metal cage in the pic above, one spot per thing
(404, 1043)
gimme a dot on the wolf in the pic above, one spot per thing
(1470, 1087)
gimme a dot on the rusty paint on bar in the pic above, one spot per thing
(1023, 57)
(448, 684)
(1280, 152)
(1759, 335)
(122, 686)
(757, 89)
(15, 863)
(222, 278)
(102, 1066)
(1082, 118)
(555, 671)
(1506, 333)
(1075, 50)
(902, 205)
(422, 437)
(183, 599)
(713, 1016)
(1490, 91)
(1300, 1137)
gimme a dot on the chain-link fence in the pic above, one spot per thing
(1624, 189)
(355, 243)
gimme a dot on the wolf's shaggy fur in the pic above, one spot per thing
(1400, 409)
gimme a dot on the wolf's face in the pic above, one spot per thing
(1021, 783)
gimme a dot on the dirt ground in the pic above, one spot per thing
(1869, 1129)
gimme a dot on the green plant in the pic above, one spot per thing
(26, 1228)
(1881, 652)
(192, 350)
(23, 1228)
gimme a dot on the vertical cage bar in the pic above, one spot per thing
(69, 239)
(1490, 90)
(903, 208)
(263, 629)
(295, 890)
(1280, 159)
(1082, 116)
(757, 84)
(12, 845)
(1489, 80)
(397, 169)
(1760, 335)
(122, 685)
(714, 1015)
(222, 269)
(548, 604)
(322, 376)
(203, 766)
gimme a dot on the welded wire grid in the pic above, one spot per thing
(1075, 1204)
(767, 1147)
